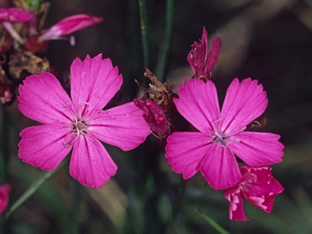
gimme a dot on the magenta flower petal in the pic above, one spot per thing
(236, 206)
(198, 104)
(257, 148)
(5, 190)
(44, 146)
(264, 187)
(94, 82)
(185, 151)
(198, 55)
(244, 102)
(43, 99)
(213, 55)
(220, 167)
(90, 163)
(257, 186)
(122, 126)
(14, 15)
(69, 25)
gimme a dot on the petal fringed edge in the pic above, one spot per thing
(94, 82)
(122, 126)
(90, 163)
(244, 102)
(42, 98)
(257, 148)
(198, 104)
(220, 168)
(185, 151)
(44, 146)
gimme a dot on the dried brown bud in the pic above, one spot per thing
(23, 64)
(159, 92)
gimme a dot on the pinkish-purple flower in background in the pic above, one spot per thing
(14, 15)
(4, 196)
(257, 186)
(201, 60)
(221, 134)
(69, 25)
(79, 123)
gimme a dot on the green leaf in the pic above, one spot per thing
(31, 190)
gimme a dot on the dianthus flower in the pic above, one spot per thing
(78, 123)
(4, 196)
(257, 186)
(221, 134)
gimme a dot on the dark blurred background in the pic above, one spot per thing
(268, 40)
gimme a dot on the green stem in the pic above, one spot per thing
(4, 145)
(144, 32)
(31, 190)
(213, 223)
(163, 56)
(75, 206)
(177, 206)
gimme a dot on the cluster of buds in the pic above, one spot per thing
(23, 41)
(156, 104)
(159, 111)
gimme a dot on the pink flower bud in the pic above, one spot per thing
(154, 116)
(257, 186)
(69, 25)
(200, 59)
(4, 196)
(6, 93)
(14, 15)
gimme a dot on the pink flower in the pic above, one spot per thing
(14, 15)
(154, 116)
(257, 186)
(69, 25)
(221, 134)
(4, 196)
(200, 59)
(78, 123)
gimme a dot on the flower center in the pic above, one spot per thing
(79, 127)
(219, 138)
